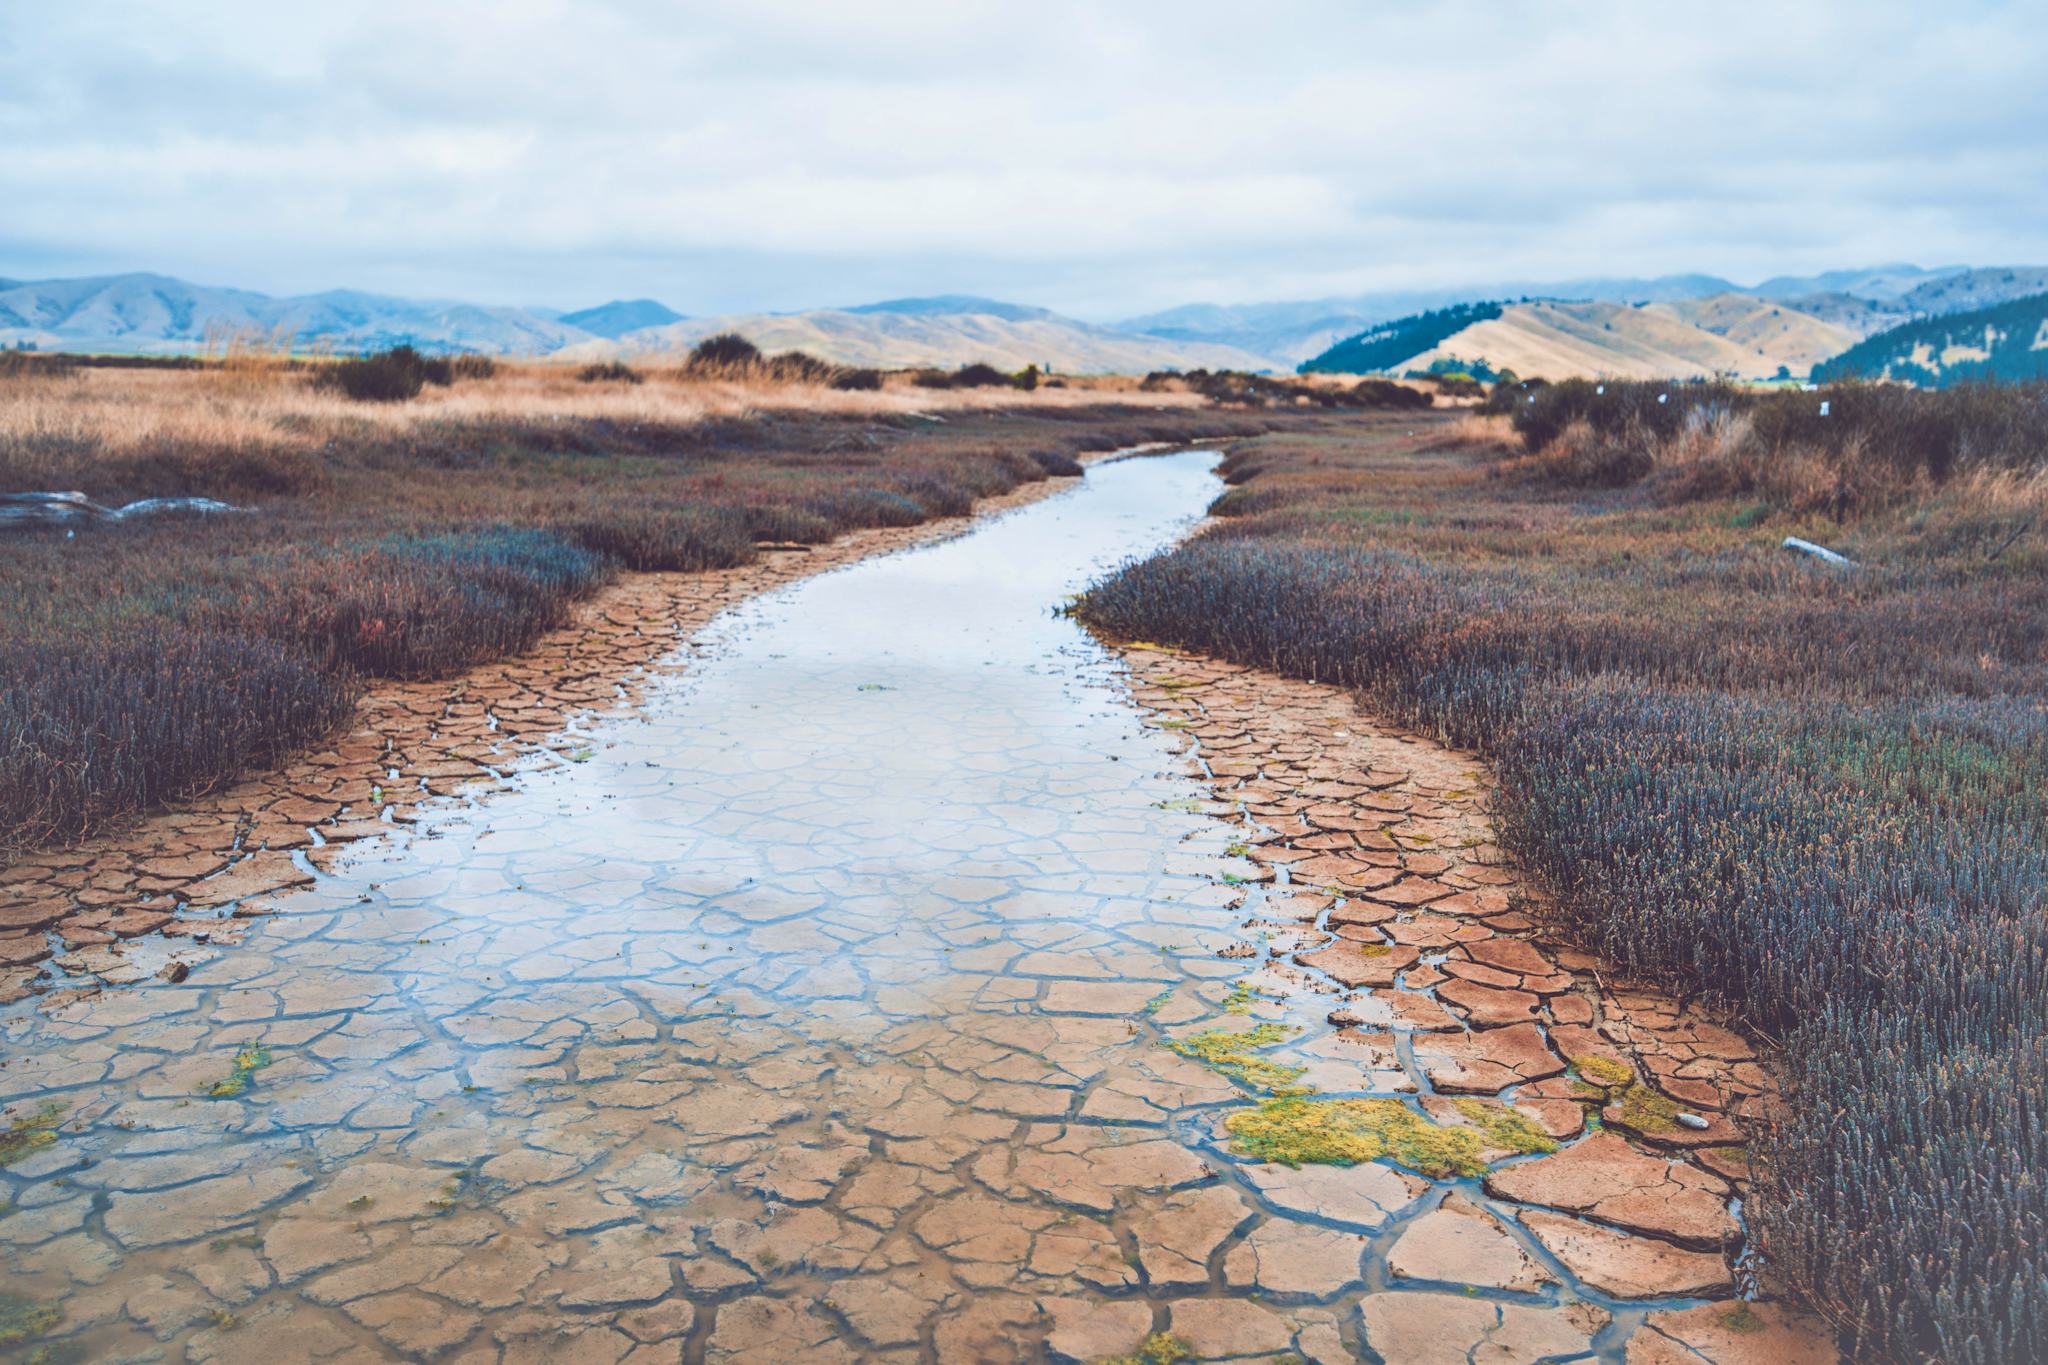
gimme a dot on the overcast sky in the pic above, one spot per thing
(1101, 158)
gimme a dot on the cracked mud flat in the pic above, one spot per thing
(818, 1012)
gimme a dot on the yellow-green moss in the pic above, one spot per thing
(1743, 1319)
(1160, 1348)
(1646, 1111)
(1295, 1130)
(30, 1133)
(1374, 949)
(1603, 1071)
(1235, 1054)
(248, 1062)
(1504, 1128)
(24, 1320)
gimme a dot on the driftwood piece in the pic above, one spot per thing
(67, 509)
(1807, 547)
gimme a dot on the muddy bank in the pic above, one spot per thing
(1391, 937)
(168, 891)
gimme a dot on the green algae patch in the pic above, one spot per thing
(1646, 1111)
(1295, 1130)
(1236, 1054)
(1603, 1071)
(1160, 1348)
(23, 1320)
(248, 1062)
(1504, 1128)
(1742, 1319)
(31, 1133)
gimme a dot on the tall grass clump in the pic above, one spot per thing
(1839, 449)
(1816, 799)
(99, 725)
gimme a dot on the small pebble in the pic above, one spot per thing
(1692, 1120)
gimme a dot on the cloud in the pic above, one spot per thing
(1098, 158)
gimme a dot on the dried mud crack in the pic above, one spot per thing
(1397, 950)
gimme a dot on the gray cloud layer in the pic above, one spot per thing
(1101, 158)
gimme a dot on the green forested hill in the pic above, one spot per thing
(1391, 343)
(2006, 342)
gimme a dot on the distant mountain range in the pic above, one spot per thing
(156, 314)
(944, 331)
(1297, 331)
(1668, 326)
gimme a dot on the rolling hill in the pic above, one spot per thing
(944, 332)
(621, 316)
(158, 314)
(2007, 341)
(1724, 334)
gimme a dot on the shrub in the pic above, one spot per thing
(386, 377)
(723, 353)
(860, 379)
(608, 372)
(979, 376)
(1058, 463)
(19, 364)
(472, 366)
(796, 367)
(932, 379)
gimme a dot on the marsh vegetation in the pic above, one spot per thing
(1814, 796)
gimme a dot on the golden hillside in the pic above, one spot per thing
(1727, 334)
(901, 340)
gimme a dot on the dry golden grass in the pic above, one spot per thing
(250, 401)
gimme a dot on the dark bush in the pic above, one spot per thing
(857, 379)
(980, 376)
(19, 364)
(797, 367)
(723, 353)
(387, 377)
(608, 372)
(932, 379)
(1385, 393)
(471, 366)
(1058, 463)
